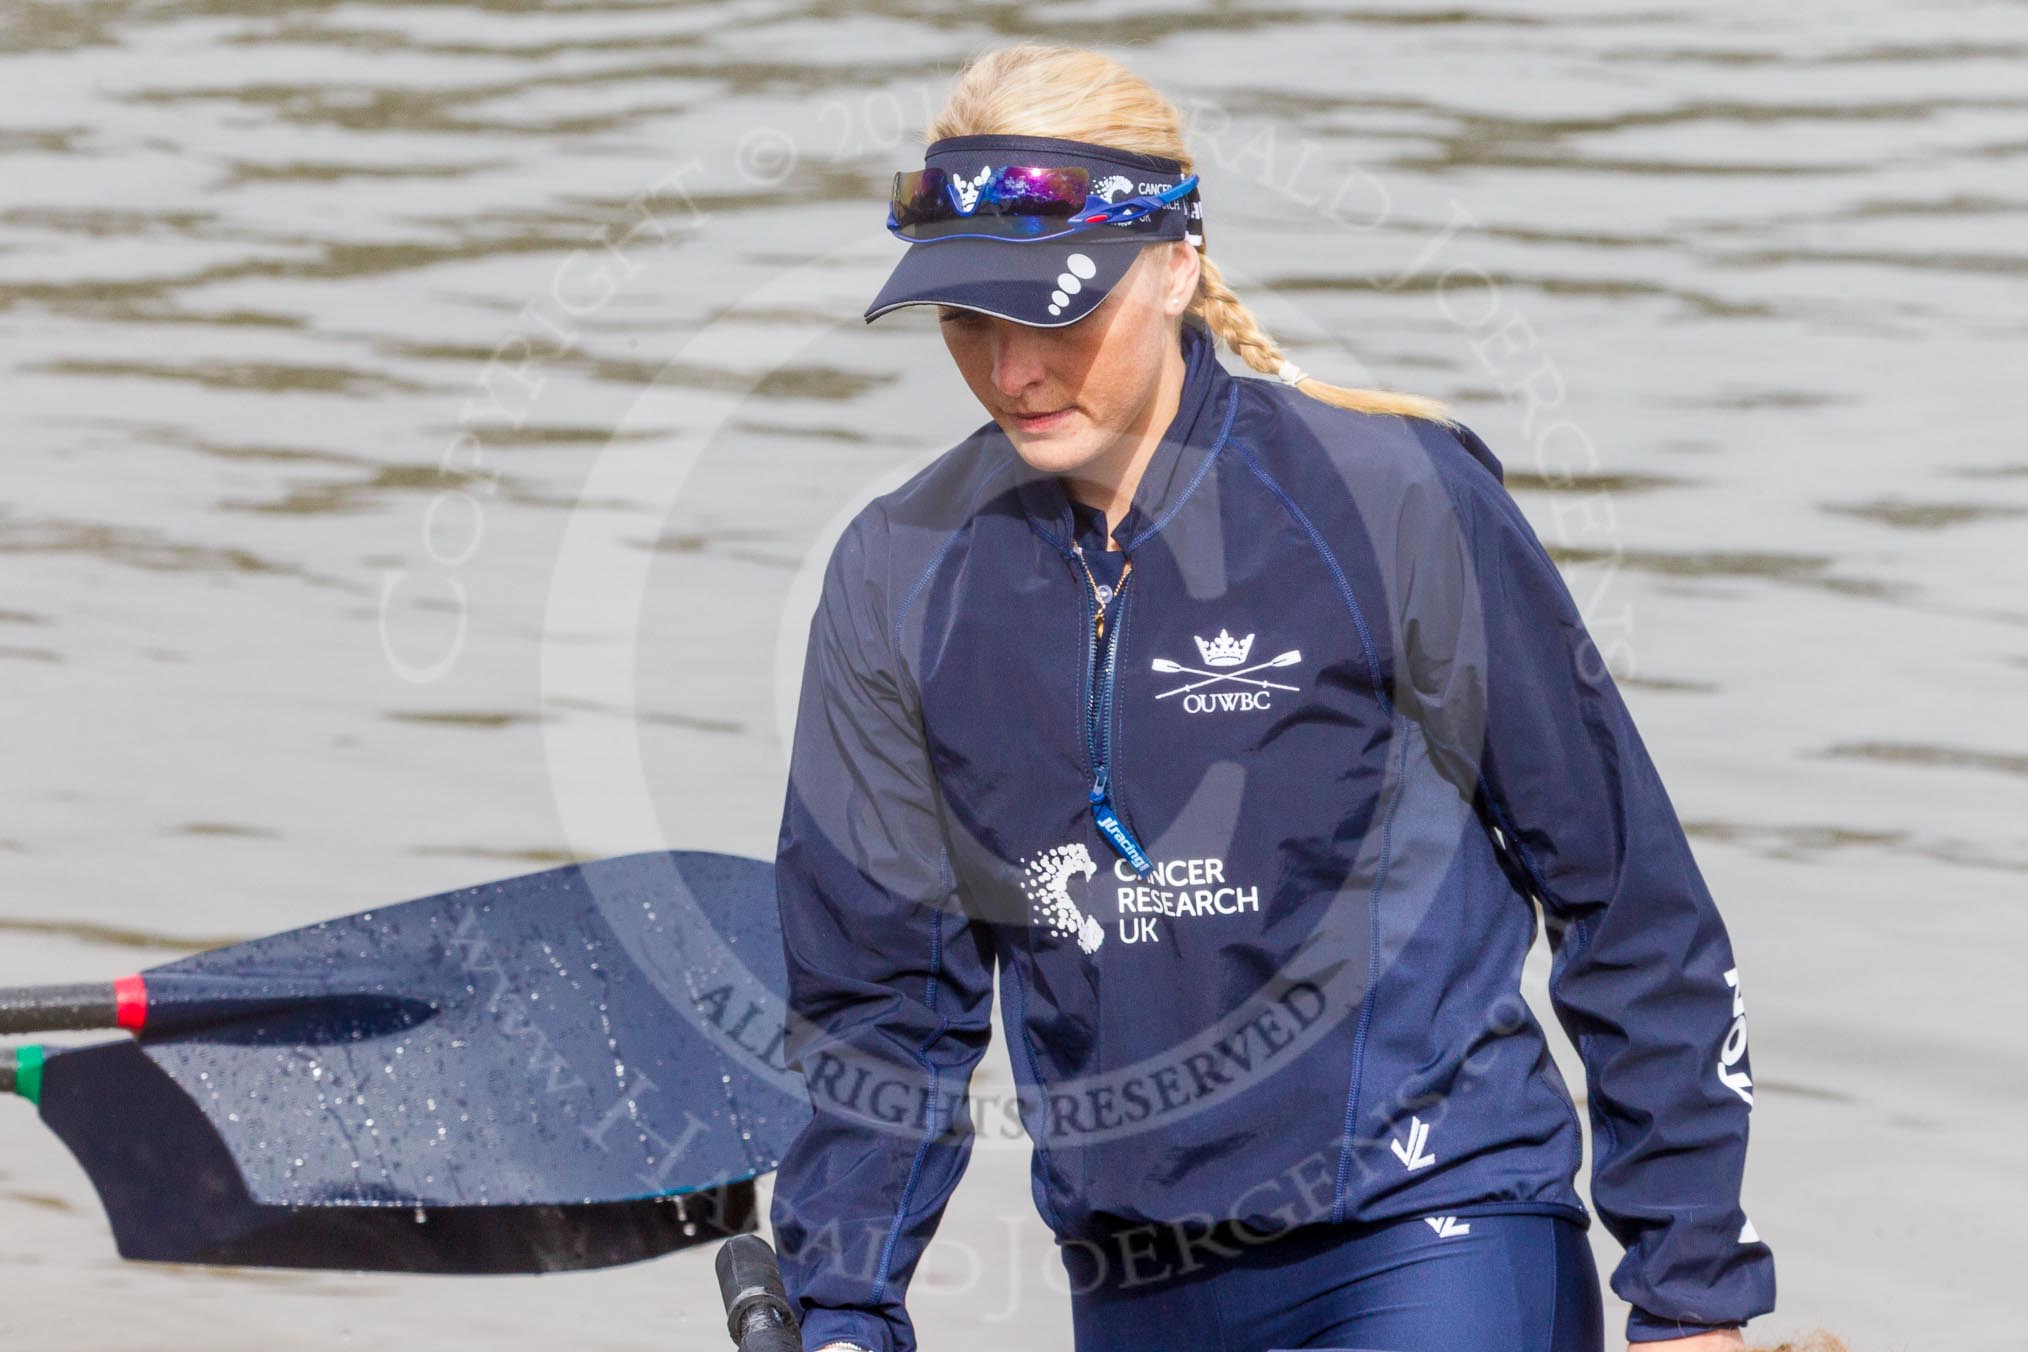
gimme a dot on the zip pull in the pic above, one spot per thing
(1102, 596)
(1098, 617)
(1115, 831)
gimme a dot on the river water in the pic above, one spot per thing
(426, 422)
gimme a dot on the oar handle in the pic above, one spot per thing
(21, 1071)
(769, 1339)
(757, 1310)
(48, 1009)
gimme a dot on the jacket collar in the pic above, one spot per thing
(1194, 435)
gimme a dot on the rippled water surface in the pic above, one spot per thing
(424, 424)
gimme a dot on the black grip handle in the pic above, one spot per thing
(757, 1310)
(48, 1009)
(775, 1339)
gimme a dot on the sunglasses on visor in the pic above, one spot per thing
(1025, 202)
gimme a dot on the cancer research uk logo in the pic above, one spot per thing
(1109, 188)
(1175, 890)
(1225, 683)
(1048, 888)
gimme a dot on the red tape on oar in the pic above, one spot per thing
(130, 1002)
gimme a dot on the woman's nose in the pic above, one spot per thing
(1018, 357)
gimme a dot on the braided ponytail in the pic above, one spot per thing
(1226, 316)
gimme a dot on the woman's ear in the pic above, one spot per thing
(1183, 271)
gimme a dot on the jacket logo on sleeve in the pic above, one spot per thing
(1048, 889)
(1738, 1081)
(1226, 682)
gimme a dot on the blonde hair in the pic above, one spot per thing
(1817, 1340)
(1036, 89)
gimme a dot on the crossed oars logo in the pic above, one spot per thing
(1243, 676)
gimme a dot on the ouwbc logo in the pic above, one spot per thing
(1224, 650)
(1225, 685)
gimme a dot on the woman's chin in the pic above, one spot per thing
(1054, 452)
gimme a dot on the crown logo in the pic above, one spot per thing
(1225, 650)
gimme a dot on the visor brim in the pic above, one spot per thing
(1044, 283)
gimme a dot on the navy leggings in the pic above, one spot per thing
(1506, 1282)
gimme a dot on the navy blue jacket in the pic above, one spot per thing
(1254, 860)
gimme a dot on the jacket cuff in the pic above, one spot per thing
(1643, 1327)
(821, 1326)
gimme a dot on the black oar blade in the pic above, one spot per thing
(603, 1032)
(173, 1193)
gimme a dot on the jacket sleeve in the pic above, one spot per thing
(1519, 708)
(890, 985)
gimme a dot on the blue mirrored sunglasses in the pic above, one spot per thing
(1024, 202)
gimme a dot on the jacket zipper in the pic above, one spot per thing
(1101, 660)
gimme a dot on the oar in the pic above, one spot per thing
(604, 1033)
(173, 1193)
(1169, 667)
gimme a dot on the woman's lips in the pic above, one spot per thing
(1041, 422)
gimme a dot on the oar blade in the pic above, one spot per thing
(595, 1033)
(173, 1193)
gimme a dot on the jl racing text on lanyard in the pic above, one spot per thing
(1099, 712)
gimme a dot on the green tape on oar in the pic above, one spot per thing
(28, 1072)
